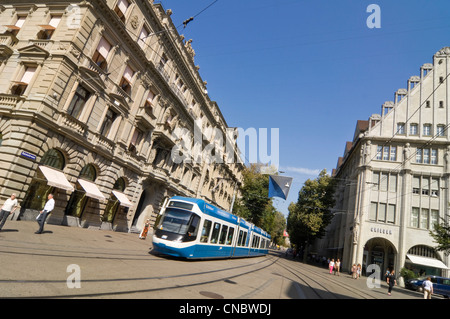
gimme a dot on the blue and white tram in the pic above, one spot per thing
(194, 229)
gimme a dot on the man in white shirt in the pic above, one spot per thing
(7, 209)
(49, 206)
(427, 288)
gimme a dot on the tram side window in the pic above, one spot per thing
(205, 231)
(244, 240)
(230, 236)
(215, 233)
(223, 235)
(241, 234)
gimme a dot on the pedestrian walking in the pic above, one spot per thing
(427, 288)
(7, 209)
(337, 267)
(354, 271)
(391, 281)
(358, 271)
(143, 234)
(43, 214)
(331, 265)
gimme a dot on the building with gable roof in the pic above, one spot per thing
(393, 180)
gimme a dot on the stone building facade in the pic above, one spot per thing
(394, 180)
(91, 96)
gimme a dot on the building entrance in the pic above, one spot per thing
(381, 252)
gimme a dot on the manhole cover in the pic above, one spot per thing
(211, 295)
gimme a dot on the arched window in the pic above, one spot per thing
(78, 200)
(39, 189)
(113, 205)
(88, 173)
(53, 158)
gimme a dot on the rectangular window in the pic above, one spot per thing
(426, 156)
(434, 218)
(393, 156)
(385, 153)
(434, 156)
(424, 218)
(425, 186)
(393, 183)
(19, 87)
(376, 180)
(47, 30)
(108, 122)
(427, 129)
(379, 152)
(223, 235)
(143, 38)
(434, 187)
(78, 101)
(400, 128)
(135, 140)
(125, 82)
(101, 54)
(391, 214)
(416, 185)
(121, 9)
(419, 155)
(384, 182)
(415, 217)
(373, 211)
(440, 130)
(215, 233)
(382, 212)
(413, 129)
(230, 236)
(205, 231)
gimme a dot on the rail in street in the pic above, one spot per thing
(68, 262)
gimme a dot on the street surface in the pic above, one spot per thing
(69, 262)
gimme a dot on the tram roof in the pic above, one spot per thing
(221, 214)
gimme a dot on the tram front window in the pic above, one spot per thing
(178, 225)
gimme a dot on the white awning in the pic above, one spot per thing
(56, 178)
(123, 199)
(430, 262)
(91, 190)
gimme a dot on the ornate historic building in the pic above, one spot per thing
(394, 179)
(91, 93)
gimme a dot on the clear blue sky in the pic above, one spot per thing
(309, 68)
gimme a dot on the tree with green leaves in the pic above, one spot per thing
(254, 204)
(441, 235)
(309, 217)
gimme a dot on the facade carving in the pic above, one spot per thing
(97, 101)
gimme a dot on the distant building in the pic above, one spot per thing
(91, 93)
(393, 179)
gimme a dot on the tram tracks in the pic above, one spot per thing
(151, 286)
(316, 283)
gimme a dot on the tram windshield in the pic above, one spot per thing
(180, 222)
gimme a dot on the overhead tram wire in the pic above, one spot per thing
(131, 32)
(393, 136)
